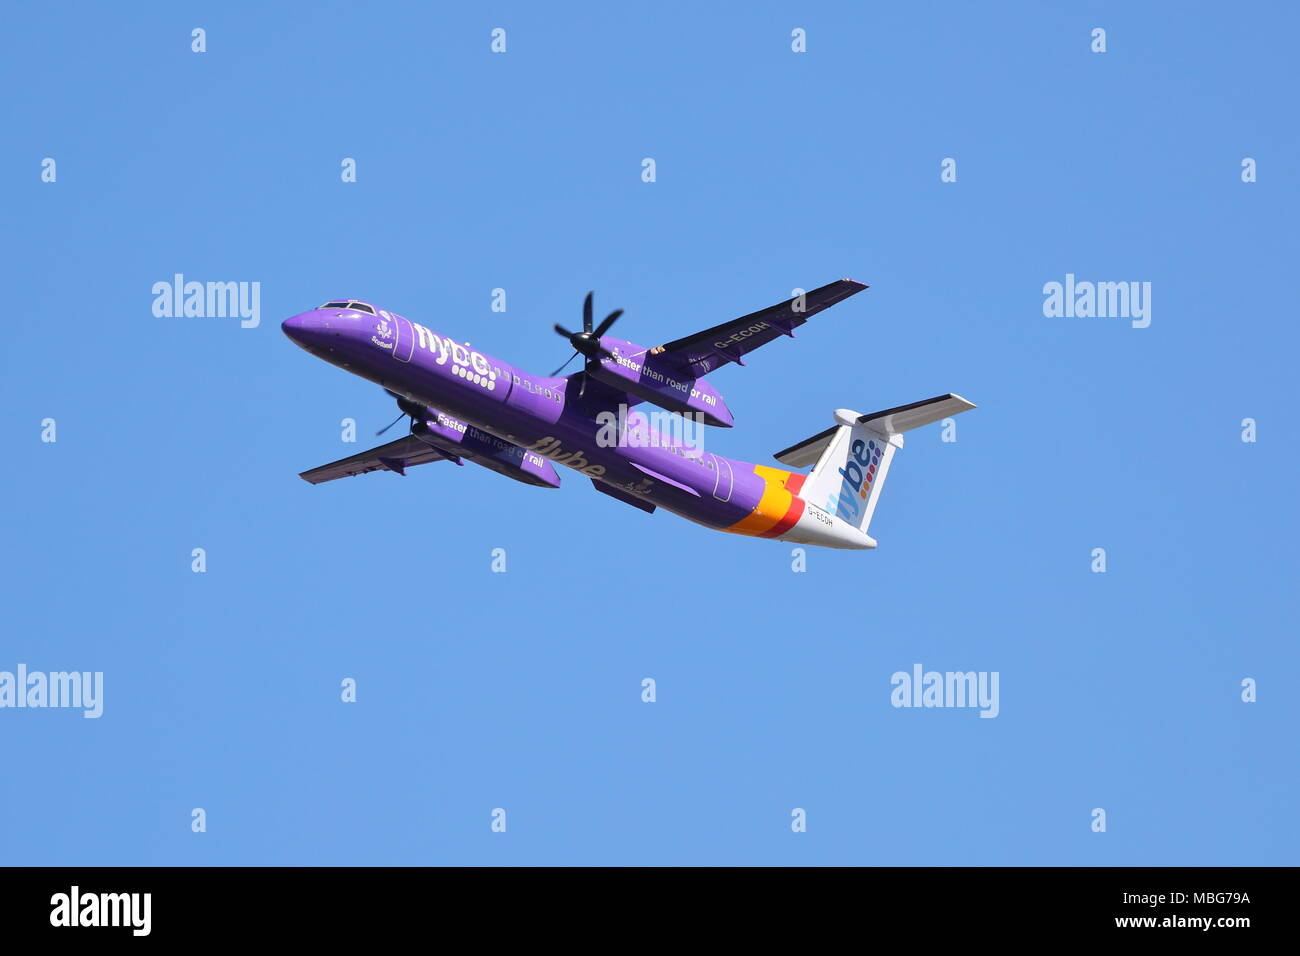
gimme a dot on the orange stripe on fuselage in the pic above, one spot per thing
(793, 514)
(778, 509)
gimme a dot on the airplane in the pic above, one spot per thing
(464, 405)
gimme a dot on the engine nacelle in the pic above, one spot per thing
(659, 382)
(459, 440)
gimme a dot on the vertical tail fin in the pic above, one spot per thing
(853, 456)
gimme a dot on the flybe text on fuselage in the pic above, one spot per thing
(551, 448)
(446, 350)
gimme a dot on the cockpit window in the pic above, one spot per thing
(350, 304)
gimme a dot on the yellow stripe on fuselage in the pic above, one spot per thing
(771, 508)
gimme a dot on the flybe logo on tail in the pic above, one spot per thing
(856, 476)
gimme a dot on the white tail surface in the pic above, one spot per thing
(853, 456)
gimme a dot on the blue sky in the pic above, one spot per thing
(775, 170)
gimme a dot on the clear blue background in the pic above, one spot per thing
(522, 690)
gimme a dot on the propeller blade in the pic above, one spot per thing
(566, 362)
(587, 342)
(607, 322)
(390, 424)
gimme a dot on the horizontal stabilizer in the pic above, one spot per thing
(891, 421)
(853, 456)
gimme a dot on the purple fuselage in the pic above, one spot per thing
(546, 417)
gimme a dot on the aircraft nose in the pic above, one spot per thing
(325, 332)
(300, 327)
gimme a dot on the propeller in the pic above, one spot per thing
(390, 424)
(409, 410)
(587, 342)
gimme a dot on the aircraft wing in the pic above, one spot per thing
(395, 456)
(702, 352)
